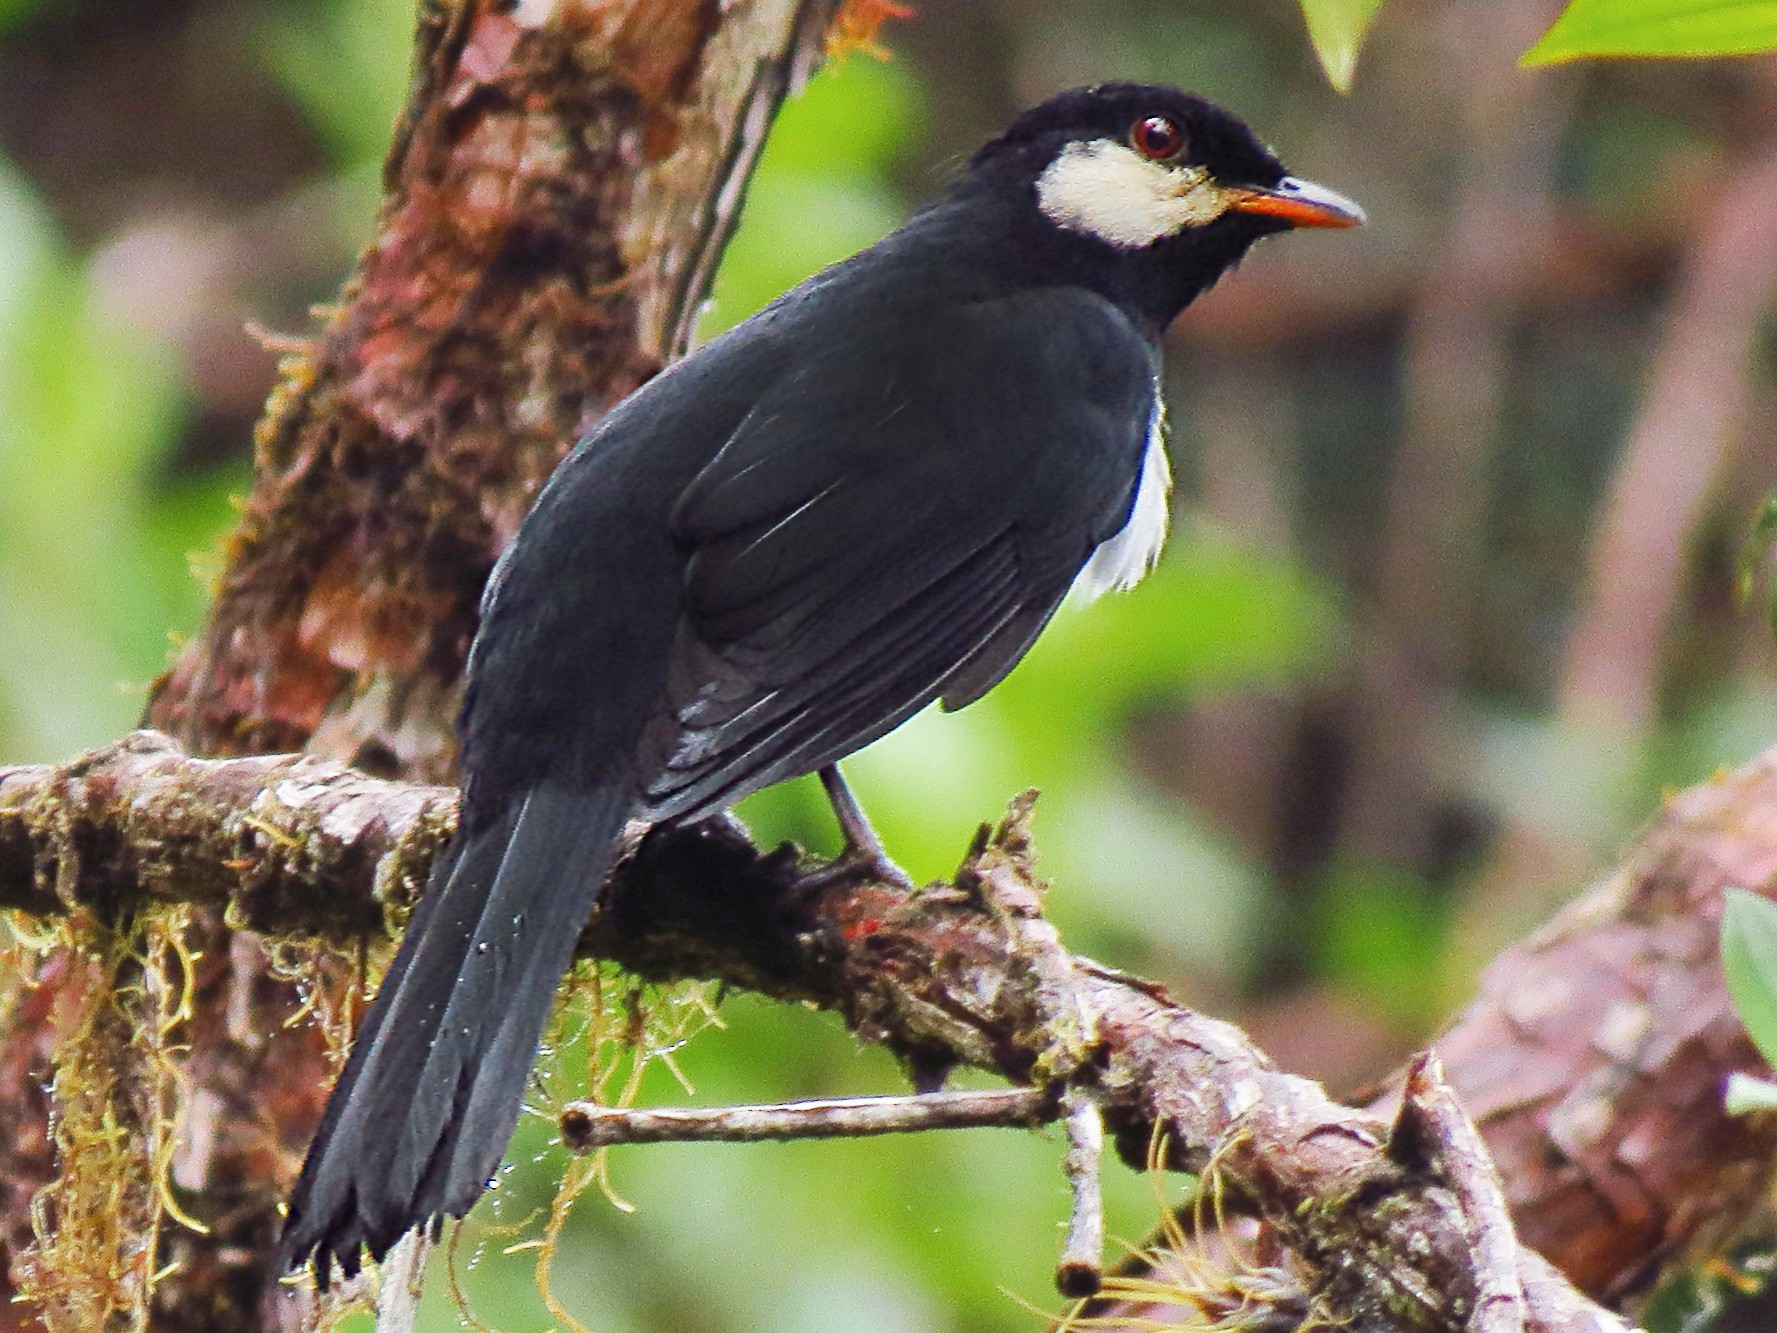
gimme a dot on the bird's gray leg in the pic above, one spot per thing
(863, 849)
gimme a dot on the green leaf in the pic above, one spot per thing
(1746, 1094)
(1372, 932)
(1749, 962)
(1657, 28)
(1336, 28)
(1756, 552)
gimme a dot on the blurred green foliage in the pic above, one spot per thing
(93, 538)
(346, 63)
(13, 12)
(100, 515)
(1755, 557)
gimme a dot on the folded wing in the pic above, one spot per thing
(834, 588)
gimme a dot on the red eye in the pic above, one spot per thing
(1157, 137)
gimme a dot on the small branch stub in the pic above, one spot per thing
(1433, 1133)
(1081, 1270)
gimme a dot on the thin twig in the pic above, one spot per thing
(404, 1272)
(586, 1126)
(1081, 1270)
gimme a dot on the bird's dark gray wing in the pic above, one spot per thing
(836, 586)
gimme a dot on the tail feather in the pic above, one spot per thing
(423, 1110)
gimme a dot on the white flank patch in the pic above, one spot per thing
(1120, 562)
(533, 13)
(1108, 190)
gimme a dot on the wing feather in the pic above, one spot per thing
(835, 587)
(844, 702)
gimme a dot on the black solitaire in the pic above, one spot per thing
(871, 495)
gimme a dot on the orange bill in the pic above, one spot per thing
(1300, 203)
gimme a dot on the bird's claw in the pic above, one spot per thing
(857, 863)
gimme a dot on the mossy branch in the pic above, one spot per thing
(967, 972)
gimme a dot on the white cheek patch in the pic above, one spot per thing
(1123, 560)
(1108, 190)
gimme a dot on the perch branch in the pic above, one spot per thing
(949, 974)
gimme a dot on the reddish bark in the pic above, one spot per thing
(1594, 1057)
(1595, 1054)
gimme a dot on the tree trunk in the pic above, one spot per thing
(560, 186)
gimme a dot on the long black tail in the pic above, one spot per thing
(422, 1113)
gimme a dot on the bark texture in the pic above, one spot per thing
(1595, 1053)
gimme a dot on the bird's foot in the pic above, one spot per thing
(857, 863)
(864, 857)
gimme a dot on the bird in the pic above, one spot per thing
(870, 496)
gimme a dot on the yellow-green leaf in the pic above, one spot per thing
(1749, 963)
(1658, 28)
(1336, 28)
(1746, 1094)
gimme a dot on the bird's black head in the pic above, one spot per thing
(1142, 191)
